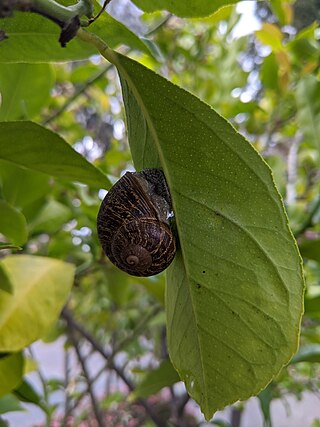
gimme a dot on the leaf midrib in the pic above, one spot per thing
(149, 121)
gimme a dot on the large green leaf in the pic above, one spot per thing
(235, 289)
(32, 38)
(35, 147)
(12, 224)
(24, 88)
(11, 372)
(192, 8)
(40, 288)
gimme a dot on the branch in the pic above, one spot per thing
(68, 18)
(78, 92)
(72, 323)
(73, 339)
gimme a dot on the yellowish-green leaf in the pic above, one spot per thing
(40, 288)
(270, 35)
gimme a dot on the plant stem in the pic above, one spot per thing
(96, 41)
(78, 92)
(54, 10)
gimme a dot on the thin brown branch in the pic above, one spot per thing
(74, 325)
(74, 341)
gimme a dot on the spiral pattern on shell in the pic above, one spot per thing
(133, 225)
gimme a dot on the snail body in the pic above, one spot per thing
(133, 223)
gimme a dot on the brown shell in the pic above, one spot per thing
(133, 227)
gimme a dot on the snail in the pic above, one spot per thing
(133, 223)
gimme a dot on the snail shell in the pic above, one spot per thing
(133, 223)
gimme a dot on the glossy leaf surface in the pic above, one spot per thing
(234, 290)
(40, 288)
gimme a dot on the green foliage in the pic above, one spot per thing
(11, 371)
(22, 95)
(233, 296)
(9, 403)
(13, 224)
(215, 175)
(40, 288)
(33, 39)
(191, 9)
(165, 375)
(32, 146)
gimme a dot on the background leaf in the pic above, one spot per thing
(5, 284)
(193, 8)
(307, 353)
(35, 147)
(308, 102)
(13, 224)
(164, 376)
(24, 88)
(41, 286)
(11, 371)
(26, 393)
(9, 403)
(234, 290)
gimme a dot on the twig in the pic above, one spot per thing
(68, 18)
(105, 4)
(44, 387)
(95, 407)
(66, 314)
(67, 407)
(95, 78)
(139, 328)
(77, 93)
(73, 324)
(184, 400)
